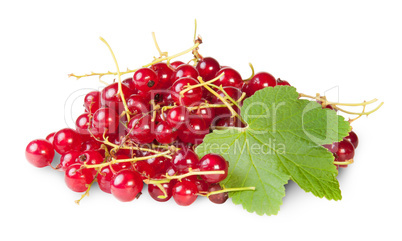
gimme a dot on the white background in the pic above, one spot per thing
(355, 45)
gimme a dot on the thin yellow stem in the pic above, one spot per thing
(252, 72)
(190, 87)
(157, 46)
(120, 91)
(236, 189)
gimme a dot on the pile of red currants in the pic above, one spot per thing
(144, 130)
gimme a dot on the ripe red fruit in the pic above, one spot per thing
(189, 97)
(156, 193)
(352, 137)
(282, 82)
(39, 153)
(217, 198)
(126, 185)
(259, 81)
(165, 133)
(194, 130)
(184, 159)
(50, 137)
(66, 140)
(77, 179)
(105, 119)
(68, 159)
(92, 101)
(213, 162)
(137, 104)
(342, 150)
(177, 116)
(140, 130)
(230, 78)
(207, 68)
(184, 193)
(176, 64)
(184, 70)
(82, 124)
(145, 79)
(164, 74)
(110, 96)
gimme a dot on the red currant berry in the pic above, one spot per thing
(105, 119)
(137, 104)
(78, 179)
(144, 168)
(160, 165)
(282, 82)
(145, 79)
(258, 82)
(110, 96)
(184, 159)
(177, 116)
(165, 133)
(202, 186)
(342, 150)
(352, 137)
(188, 97)
(50, 137)
(82, 124)
(39, 153)
(126, 185)
(92, 101)
(140, 130)
(184, 70)
(68, 159)
(156, 193)
(66, 140)
(164, 74)
(176, 64)
(129, 82)
(207, 68)
(218, 198)
(91, 157)
(194, 131)
(213, 162)
(230, 78)
(184, 193)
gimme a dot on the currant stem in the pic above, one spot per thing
(114, 161)
(179, 177)
(120, 91)
(252, 72)
(161, 54)
(87, 191)
(237, 189)
(190, 87)
(347, 162)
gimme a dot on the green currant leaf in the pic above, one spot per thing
(283, 140)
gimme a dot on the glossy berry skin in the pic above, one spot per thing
(68, 159)
(202, 186)
(92, 101)
(213, 162)
(90, 157)
(76, 179)
(217, 198)
(352, 137)
(156, 193)
(184, 193)
(194, 130)
(206, 114)
(126, 185)
(50, 137)
(282, 82)
(177, 116)
(164, 74)
(259, 81)
(39, 153)
(145, 79)
(184, 70)
(111, 98)
(342, 150)
(66, 140)
(160, 165)
(227, 122)
(139, 129)
(165, 133)
(184, 159)
(137, 104)
(91, 144)
(105, 119)
(144, 169)
(230, 78)
(176, 64)
(106, 174)
(129, 82)
(234, 93)
(207, 68)
(82, 124)
(189, 97)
